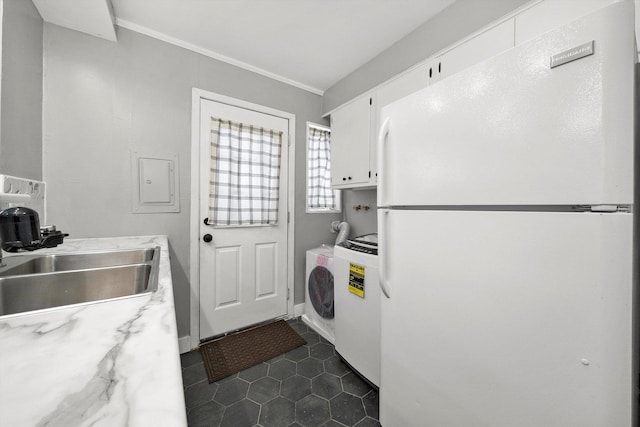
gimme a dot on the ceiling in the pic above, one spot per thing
(311, 44)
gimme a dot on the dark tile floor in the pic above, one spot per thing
(309, 386)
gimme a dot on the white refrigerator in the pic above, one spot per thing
(506, 235)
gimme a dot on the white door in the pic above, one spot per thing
(507, 319)
(243, 268)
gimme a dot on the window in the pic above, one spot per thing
(320, 196)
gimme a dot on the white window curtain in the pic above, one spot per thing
(319, 193)
(245, 174)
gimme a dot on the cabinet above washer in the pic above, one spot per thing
(353, 144)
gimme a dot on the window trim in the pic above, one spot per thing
(306, 176)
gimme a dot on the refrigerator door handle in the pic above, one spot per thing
(382, 136)
(383, 215)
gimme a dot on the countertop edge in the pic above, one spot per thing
(112, 363)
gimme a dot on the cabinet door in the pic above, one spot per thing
(373, 135)
(548, 15)
(483, 46)
(350, 136)
(407, 83)
(403, 85)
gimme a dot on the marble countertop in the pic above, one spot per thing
(112, 363)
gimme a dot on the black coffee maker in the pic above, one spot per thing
(20, 230)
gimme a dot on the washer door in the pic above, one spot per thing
(321, 291)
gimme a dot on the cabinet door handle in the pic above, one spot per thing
(344, 179)
(439, 67)
(349, 177)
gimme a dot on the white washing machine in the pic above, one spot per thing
(357, 301)
(319, 302)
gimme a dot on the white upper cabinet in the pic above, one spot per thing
(483, 46)
(550, 14)
(354, 126)
(405, 84)
(351, 136)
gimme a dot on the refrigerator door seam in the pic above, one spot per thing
(606, 208)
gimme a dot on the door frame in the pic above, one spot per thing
(194, 232)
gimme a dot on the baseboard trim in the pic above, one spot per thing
(184, 344)
(298, 310)
(326, 335)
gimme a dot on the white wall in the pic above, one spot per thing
(21, 118)
(637, 4)
(103, 100)
(361, 221)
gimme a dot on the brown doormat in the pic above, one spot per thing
(233, 353)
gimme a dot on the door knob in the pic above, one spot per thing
(207, 238)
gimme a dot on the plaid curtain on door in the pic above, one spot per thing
(245, 174)
(320, 195)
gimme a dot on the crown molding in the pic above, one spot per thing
(211, 54)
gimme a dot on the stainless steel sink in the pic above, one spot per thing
(35, 264)
(34, 282)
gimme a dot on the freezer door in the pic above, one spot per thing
(514, 131)
(507, 319)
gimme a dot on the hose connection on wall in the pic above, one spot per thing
(342, 228)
